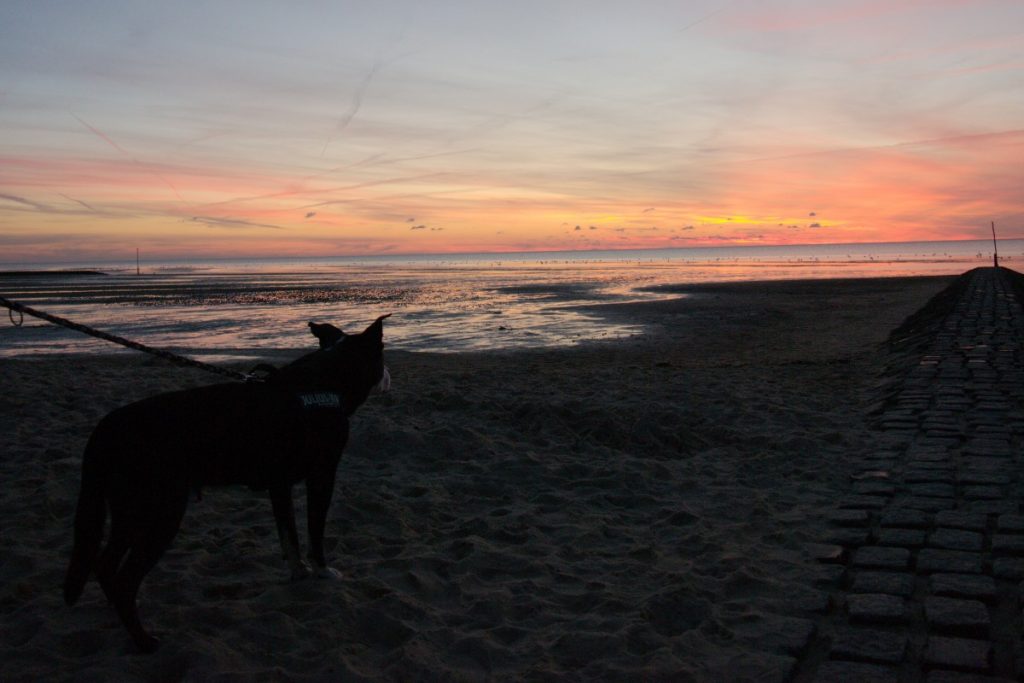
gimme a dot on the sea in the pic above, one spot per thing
(221, 310)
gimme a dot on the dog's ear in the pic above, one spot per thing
(327, 334)
(376, 330)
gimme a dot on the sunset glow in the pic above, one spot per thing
(393, 127)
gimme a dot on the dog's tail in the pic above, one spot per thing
(90, 516)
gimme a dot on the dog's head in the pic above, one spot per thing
(351, 364)
(328, 334)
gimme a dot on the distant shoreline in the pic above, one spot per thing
(689, 251)
(44, 273)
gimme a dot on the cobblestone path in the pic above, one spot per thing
(928, 548)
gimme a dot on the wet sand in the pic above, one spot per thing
(640, 509)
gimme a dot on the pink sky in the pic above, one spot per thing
(410, 128)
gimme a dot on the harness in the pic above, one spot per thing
(319, 400)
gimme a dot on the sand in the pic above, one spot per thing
(641, 509)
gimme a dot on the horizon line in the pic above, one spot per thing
(385, 255)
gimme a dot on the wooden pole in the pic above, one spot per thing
(995, 247)
(137, 272)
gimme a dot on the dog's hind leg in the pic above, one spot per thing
(126, 590)
(110, 559)
(284, 516)
(90, 516)
(147, 545)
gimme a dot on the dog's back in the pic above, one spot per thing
(252, 434)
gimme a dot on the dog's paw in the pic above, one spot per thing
(328, 573)
(301, 571)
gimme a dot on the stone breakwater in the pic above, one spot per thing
(927, 549)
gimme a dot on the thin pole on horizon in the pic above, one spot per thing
(137, 271)
(995, 247)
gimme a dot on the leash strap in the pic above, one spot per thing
(92, 332)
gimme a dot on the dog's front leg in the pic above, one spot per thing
(284, 515)
(319, 490)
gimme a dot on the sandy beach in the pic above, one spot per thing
(632, 510)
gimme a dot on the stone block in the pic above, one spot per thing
(864, 645)
(906, 518)
(979, 492)
(891, 583)
(1010, 568)
(856, 502)
(932, 490)
(904, 538)
(847, 536)
(874, 488)
(958, 653)
(927, 504)
(940, 676)
(932, 560)
(929, 475)
(876, 608)
(880, 557)
(1008, 544)
(944, 465)
(826, 553)
(955, 615)
(956, 539)
(973, 586)
(827, 574)
(933, 460)
(873, 472)
(831, 672)
(955, 519)
(1011, 524)
(856, 518)
(984, 477)
(988, 447)
(992, 507)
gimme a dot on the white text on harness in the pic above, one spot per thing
(320, 399)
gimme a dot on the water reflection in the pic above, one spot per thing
(233, 310)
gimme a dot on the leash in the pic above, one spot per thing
(22, 310)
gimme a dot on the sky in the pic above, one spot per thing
(245, 129)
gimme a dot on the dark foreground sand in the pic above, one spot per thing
(627, 511)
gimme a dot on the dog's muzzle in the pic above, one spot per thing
(384, 385)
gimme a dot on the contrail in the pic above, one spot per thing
(98, 133)
(357, 102)
(77, 201)
(705, 17)
(20, 200)
(232, 222)
(102, 136)
(340, 188)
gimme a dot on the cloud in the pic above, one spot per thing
(418, 227)
(648, 209)
(578, 228)
(688, 227)
(79, 202)
(216, 222)
(310, 214)
(814, 225)
(812, 213)
(410, 220)
(593, 227)
(27, 205)
(35, 206)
